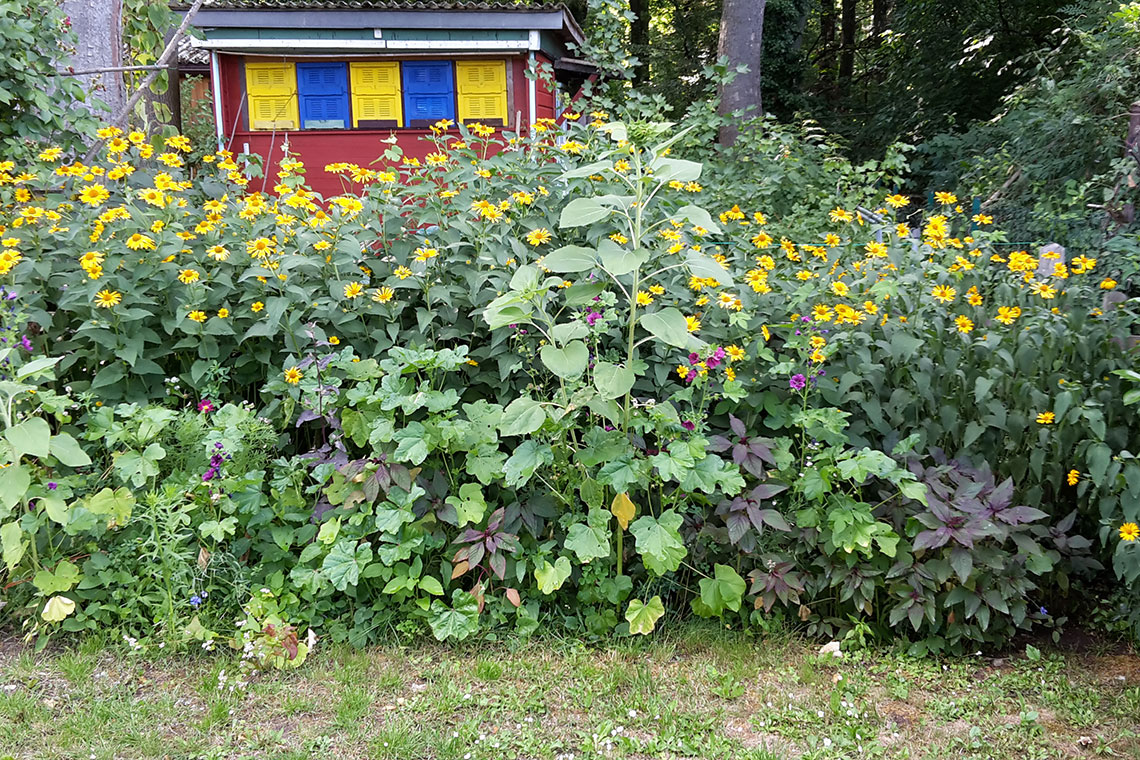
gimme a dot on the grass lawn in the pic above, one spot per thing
(695, 693)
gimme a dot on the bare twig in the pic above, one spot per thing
(1005, 186)
(108, 70)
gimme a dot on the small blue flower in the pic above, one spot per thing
(195, 601)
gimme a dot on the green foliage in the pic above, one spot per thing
(35, 33)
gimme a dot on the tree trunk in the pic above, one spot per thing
(847, 44)
(741, 42)
(97, 27)
(639, 38)
(879, 11)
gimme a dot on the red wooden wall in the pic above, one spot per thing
(319, 147)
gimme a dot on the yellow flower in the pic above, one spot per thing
(217, 253)
(734, 353)
(643, 298)
(353, 289)
(692, 324)
(876, 250)
(188, 276)
(897, 201)
(1045, 418)
(383, 295)
(107, 298)
(818, 341)
(93, 195)
(840, 215)
(293, 375)
(821, 313)
(1107, 283)
(1043, 289)
(656, 290)
(840, 289)
(946, 199)
(1007, 314)
(138, 242)
(197, 316)
(223, 313)
(403, 272)
(50, 154)
(762, 240)
(1129, 532)
(964, 323)
(683, 371)
(1073, 477)
(334, 341)
(765, 332)
(944, 293)
(729, 373)
(424, 253)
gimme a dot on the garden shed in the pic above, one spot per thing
(335, 77)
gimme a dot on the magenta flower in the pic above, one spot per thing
(592, 318)
(205, 406)
(797, 382)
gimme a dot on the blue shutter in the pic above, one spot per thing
(323, 88)
(429, 92)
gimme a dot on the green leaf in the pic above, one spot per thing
(582, 211)
(431, 585)
(522, 416)
(551, 577)
(668, 326)
(524, 461)
(37, 365)
(411, 445)
(67, 450)
(345, 562)
(13, 544)
(457, 622)
(611, 380)
(643, 617)
(723, 591)
(57, 608)
(117, 504)
(469, 504)
(56, 509)
(218, 529)
(669, 169)
(590, 540)
(620, 261)
(30, 437)
(567, 363)
(707, 267)
(659, 541)
(65, 576)
(14, 482)
(569, 259)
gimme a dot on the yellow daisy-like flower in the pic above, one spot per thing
(963, 323)
(683, 371)
(944, 293)
(897, 201)
(840, 215)
(105, 299)
(94, 195)
(188, 276)
(765, 332)
(762, 240)
(353, 289)
(1007, 314)
(692, 324)
(643, 298)
(876, 250)
(947, 199)
(50, 154)
(257, 306)
(138, 242)
(383, 295)
(197, 316)
(1073, 477)
(1107, 283)
(656, 290)
(734, 353)
(334, 340)
(619, 238)
(1046, 418)
(293, 375)
(1043, 289)
(840, 289)
(1129, 532)
(218, 253)
(403, 272)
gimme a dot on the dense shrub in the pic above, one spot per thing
(539, 382)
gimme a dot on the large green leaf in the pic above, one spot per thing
(345, 562)
(659, 541)
(14, 482)
(590, 540)
(669, 326)
(669, 169)
(117, 504)
(63, 578)
(643, 617)
(611, 380)
(13, 544)
(30, 437)
(582, 211)
(723, 591)
(527, 458)
(568, 362)
(551, 577)
(469, 504)
(571, 258)
(707, 267)
(458, 621)
(522, 416)
(618, 260)
(67, 450)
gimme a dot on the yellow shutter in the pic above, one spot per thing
(375, 92)
(272, 91)
(482, 90)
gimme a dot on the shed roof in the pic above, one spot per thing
(406, 14)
